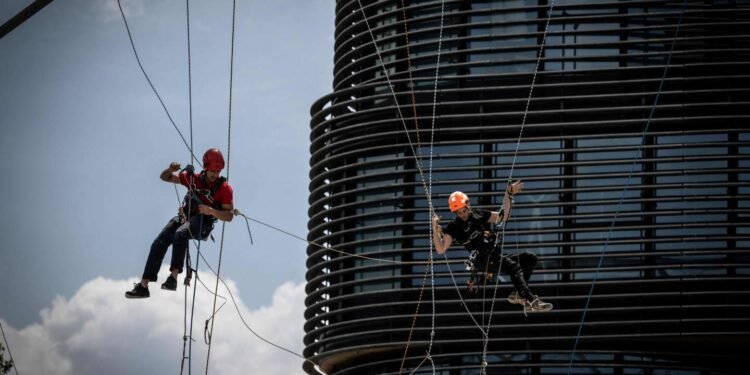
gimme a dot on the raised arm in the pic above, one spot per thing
(170, 174)
(442, 241)
(510, 191)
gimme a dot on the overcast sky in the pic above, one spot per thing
(83, 139)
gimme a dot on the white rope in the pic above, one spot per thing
(428, 354)
(510, 177)
(419, 166)
(429, 192)
(398, 107)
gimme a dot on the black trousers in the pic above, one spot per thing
(518, 266)
(177, 234)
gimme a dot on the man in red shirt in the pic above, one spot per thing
(209, 198)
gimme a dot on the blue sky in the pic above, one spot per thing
(84, 140)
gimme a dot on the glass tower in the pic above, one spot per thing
(631, 131)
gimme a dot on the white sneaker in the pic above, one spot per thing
(537, 305)
(516, 299)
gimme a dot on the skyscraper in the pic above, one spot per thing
(628, 123)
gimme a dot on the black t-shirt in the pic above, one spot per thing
(474, 233)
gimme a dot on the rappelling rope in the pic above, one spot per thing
(411, 77)
(398, 107)
(510, 178)
(193, 157)
(229, 149)
(419, 149)
(428, 192)
(419, 166)
(485, 333)
(636, 156)
(138, 59)
(238, 213)
(239, 313)
(197, 243)
(189, 270)
(248, 218)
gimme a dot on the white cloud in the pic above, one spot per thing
(98, 331)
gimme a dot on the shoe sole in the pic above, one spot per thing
(128, 296)
(168, 288)
(538, 310)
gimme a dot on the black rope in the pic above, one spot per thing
(415, 262)
(138, 59)
(247, 224)
(206, 333)
(242, 318)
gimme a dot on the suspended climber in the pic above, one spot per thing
(471, 228)
(209, 198)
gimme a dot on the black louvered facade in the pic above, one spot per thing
(672, 292)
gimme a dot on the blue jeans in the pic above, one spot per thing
(178, 235)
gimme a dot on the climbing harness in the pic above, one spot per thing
(189, 208)
(193, 197)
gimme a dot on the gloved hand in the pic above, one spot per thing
(189, 169)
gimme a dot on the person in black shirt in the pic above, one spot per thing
(471, 228)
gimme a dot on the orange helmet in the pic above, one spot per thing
(457, 201)
(213, 160)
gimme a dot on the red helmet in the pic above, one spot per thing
(213, 160)
(457, 201)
